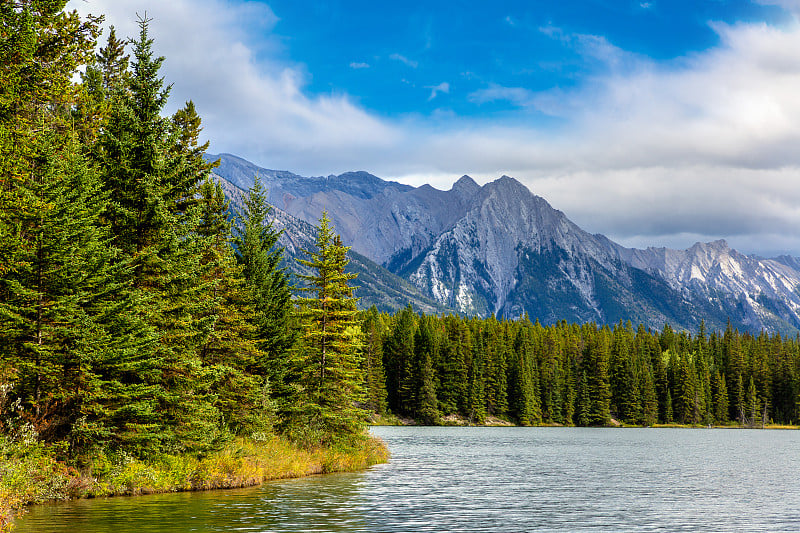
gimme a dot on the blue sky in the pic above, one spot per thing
(656, 123)
(428, 58)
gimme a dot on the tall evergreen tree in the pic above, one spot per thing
(331, 342)
(398, 357)
(149, 177)
(260, 257)
(720, 403)
(425, 348)
(230, 351)
(596, 361)
(67, 320)
(372, 361)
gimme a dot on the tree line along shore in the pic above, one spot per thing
(426, 368)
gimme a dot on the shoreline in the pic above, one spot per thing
(460, 421)
(40, 478)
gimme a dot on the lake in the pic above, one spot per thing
(495, 479)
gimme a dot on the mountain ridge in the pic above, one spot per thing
(500, 249)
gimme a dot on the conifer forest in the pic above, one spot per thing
(576, 374)
(134, 314)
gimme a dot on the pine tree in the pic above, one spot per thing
(66, 324)
(668, 413)
(398, 358)
(685, 410)
(105, 77)
(425, 346)
(584, 402)
(230, 351)
(451, 368)
(595, 362)
(649, 400)
(40, 50)
(260, 258)
(372, 361)
(476, 388)
(752, 403)
(66, 316)
(720, 392)
(152, 180)
(524, 380)
(496, 368)
(331, 343)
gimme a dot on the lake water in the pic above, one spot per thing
(495, 479)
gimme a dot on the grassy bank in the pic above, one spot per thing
(30, 473)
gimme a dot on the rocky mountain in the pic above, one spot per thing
(501, 249)
(376, 285)
(513, 253)
(761, 293)
(386, 221)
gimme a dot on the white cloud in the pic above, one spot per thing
(443, 87)
(252, 103)
(516, 95)
(701, 147)
(355, 65)
(403, 59)
(595, 47)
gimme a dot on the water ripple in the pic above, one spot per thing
(497, 479)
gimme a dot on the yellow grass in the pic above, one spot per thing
(241, 463)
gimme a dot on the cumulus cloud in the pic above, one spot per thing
(251, 103)
(733, 106)
(705, 145)
(698, 148)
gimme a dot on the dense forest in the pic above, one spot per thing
(134, 315)
(425, 367)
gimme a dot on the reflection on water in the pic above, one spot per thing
(496, 479)
(295, 505)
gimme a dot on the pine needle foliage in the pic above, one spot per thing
(331, 341)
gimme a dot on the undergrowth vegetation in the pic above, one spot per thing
(31, 472)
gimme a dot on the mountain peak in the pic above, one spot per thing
(465, 184)
(508, 184)
(719, 246)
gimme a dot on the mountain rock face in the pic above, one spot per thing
(501, 249)
(513, 253)
(376, 285)
(386, 221)
(761, 293)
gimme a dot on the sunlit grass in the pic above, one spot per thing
(31, 474)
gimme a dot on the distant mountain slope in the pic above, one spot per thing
(375, 285)
(761, 292)
(513, 253)
(501, 249)
(386, 221)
